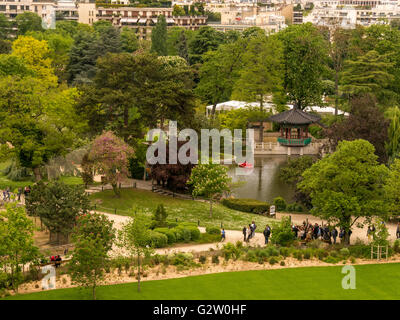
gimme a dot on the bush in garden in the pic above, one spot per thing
(396, 246)
(298, 254)
(194, 233)
(272, 251)
(360, 251)
(307, 254)
(202, 259)
(345, 252)
(251, 256)
(158, 240)
(215, 259)
(273, 260)
(230, 251)
(331, 259)
(213, 230)
(280, 204)
(159, 218)
(169, 233)
(294, 207)
(282, 263)
(285, 252)
(247, 205)
(321, 253)
(282, 233)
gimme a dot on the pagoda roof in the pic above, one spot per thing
(294, 116)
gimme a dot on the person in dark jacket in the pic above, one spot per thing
(267, 233)
(334, 235)
(244, 231)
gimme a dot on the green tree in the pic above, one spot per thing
(219, 72)
(209, 180)
(5, 26)
(129, 40)
(393, 143)
(159, 37)
(135, 237)
(347, 185)
(93, 238)
(182, 46)
(16, 242)
(28, 21)
(366, 74)
(58, 205)
(392, 188)
(305, 59)
(178, 11)
(205, 39)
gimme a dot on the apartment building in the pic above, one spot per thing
(245, 15)
(363, 13)
(138, 18)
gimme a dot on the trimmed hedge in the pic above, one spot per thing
(182, 232)
(246, 205)
(280, 204)
(158, 239)
(213, 230)
(169, 233)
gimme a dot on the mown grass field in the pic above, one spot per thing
(312, 283)
(183, 210)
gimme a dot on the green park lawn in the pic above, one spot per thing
(372, 282)
(183, 210)
(5, 182)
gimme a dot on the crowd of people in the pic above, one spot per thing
(307, 232)
(7, 194)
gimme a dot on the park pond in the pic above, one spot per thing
(262, 182)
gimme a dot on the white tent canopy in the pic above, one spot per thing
(234, 105)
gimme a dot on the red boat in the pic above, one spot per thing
(245, 165)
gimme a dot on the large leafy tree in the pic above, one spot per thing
(129, 40)
(206, 39)
(305, 62)
(393, 142)
(110, 156)
(209, 180)
(16, 243)
(28, 21)
(37, 122)
(159, 37)
(219, 72)
(366, 122)
(262, 71)
(57, 205)
(347, 185)
(392, 188)
(93, 238)
(367, 74)
(35, 53)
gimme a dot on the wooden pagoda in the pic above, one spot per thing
(294, 126)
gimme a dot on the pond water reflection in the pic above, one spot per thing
(263, 183)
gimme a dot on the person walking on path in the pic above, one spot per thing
(267, 233)
(249, 233)
(222, 235)
(398, 231)
(244, 233)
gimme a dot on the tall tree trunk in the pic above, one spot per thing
(115, 189)
(261, 132)
(213, 111)
(138, 263)
(38, 175)
(94, 290)
(336, 92)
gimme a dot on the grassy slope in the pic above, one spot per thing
(183, 210)
(4, 182)
(372, 282)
